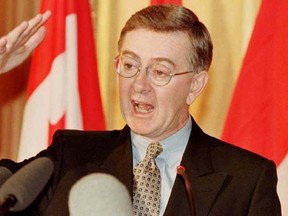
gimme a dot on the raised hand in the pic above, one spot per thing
(18, 44)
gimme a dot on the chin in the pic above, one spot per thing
(140, 128)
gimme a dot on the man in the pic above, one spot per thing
(164, 55)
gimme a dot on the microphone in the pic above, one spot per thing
(21, 189)
(188, 185)
(99, 194)
(4, 175)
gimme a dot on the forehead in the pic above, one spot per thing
(149, 44)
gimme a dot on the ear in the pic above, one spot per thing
(198, 83)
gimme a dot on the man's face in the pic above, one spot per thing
(150, 110)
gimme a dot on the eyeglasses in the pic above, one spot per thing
(157, 73)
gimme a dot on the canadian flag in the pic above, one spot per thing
(257, 119)
(63, 87)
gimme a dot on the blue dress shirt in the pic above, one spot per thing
(171, 156)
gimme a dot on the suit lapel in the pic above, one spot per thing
(206, 183)
(206, 188)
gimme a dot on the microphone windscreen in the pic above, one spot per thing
(4, 175)
(99, 194)
(27, 183)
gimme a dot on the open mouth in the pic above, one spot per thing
(141, 107)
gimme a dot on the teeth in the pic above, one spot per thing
(143, 108)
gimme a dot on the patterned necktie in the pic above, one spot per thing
(147, 183)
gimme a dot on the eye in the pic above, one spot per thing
(129, 64)
(160, 71)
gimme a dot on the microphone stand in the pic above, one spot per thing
(182, 172)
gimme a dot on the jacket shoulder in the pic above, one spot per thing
(81, 134)
(237, 160)
(85, 146)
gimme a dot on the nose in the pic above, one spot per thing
(141, 82)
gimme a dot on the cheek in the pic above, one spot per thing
(173, 101)
(123, 92)
(124, 84)
(180, 96)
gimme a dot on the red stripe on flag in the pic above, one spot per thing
(257, 119)
(91, 105)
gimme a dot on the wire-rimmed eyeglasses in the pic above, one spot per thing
(157, 73)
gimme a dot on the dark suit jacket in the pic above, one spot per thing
(226, 180)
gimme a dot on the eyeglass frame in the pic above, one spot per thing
(118, 57)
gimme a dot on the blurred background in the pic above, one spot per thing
(229, 22)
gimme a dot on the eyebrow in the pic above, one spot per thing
(130, 53)
(157, 59)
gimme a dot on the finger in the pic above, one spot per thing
(36, 39)
(3, 42)
(33, 26)
(45, 16)
(38, 21)
(34, 22)
(13, 36)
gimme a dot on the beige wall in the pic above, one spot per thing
(230, 24)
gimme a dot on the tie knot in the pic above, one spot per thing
(153, 150)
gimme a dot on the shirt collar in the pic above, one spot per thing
(173, 146)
